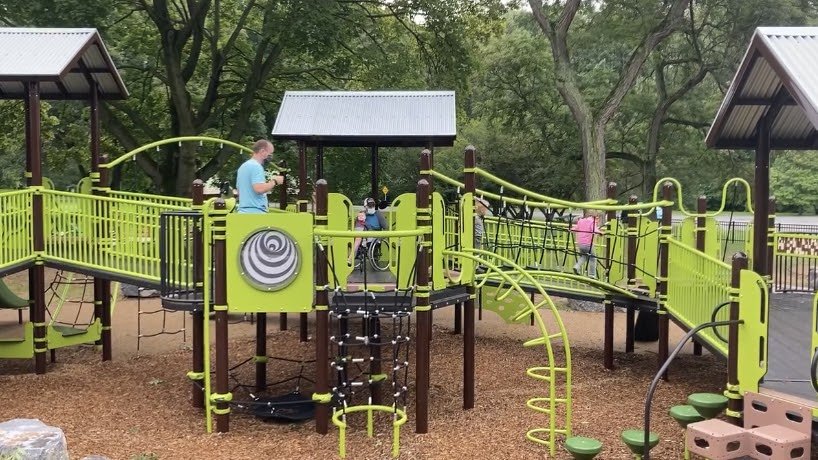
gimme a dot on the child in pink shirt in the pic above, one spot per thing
(585, 229)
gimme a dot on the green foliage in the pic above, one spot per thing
(794, 181)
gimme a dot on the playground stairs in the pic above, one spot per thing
(773, 429)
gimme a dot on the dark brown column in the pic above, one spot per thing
(319, 162)
(661, 288)
(761, 193)
(220, 308)
(733, 404)
(425, 165)
(302, 207)
(321, 314)
(770, 234)
(104, 183)
(376, 167)
(423, 313)
(633, 233)
(36, 273)
(470, 183)
(282, 204)
(261, 351)
(197, 316)
(608, 339)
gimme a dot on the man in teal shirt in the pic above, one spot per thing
(250, 182)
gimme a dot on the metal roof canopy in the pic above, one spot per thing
(367, 118)
(67, 64)
(777, 81)
(772, 104)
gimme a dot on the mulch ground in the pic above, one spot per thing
(139, 405)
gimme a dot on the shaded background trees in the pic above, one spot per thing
(559, 96)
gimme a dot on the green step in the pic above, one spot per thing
(68, 331)
(685, 415)
(635, 440)
(583, 448)
(708, 405)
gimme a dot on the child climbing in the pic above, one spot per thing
(585, 229)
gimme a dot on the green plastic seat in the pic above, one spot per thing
(583, 448)
(635, 440)
(685, 415)
(708, 405)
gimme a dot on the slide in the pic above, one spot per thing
(9, 299)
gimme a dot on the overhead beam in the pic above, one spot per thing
(761, 101)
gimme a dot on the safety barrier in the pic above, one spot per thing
(795, 262)
(15, 228)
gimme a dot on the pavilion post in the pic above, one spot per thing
(770, 234)
(222, 410)
(282, 205)
(302, 207)
(35, 179)
(701, 222)
(661, 287)
(322, 365)
(470, 182)
(319, 162)
(422, 312)
(197, 315)
(761, 193)
(375, 172)
(734, 404)
(426, 165)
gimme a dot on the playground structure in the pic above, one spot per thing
(205, 259)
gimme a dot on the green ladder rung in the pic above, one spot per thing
(542, 340)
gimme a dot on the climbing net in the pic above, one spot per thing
(364, 361)
(70, 288)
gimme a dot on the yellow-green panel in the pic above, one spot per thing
(505, 301)
(405, 218)
(647, 256)
(466, 238)
(752, 334)
(711, 241)
(615, 239)
(19, 348)
(339, 217)
(56, 338)
(438, 241)
(270, 263)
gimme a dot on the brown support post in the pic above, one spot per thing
(701, 210)
(633, 233)
(36, 273)
(739, 263)
(458, 318)
(197, 315)
(282, 205)
(98, 190)
(261, 351)
(470, 183)
(322, 364)
(220, 309)
(425, 165)
(375, 172)
(319, 162)
(770, 234)
(661, 288)
(422, 312)
(608, 340)
(302, 207)
(761, 194)
(105, 319)
(610, 216)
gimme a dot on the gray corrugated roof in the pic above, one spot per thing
(778, 60)
(362, 118)
(62, 60)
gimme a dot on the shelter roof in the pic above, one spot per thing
(65, 61)
(367, 118)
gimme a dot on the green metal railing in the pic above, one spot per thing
(148, 198)
(102, 233)
(696, 283)
(15, 228)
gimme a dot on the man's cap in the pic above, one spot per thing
(369, 203)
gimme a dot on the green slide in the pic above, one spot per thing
(9, 299)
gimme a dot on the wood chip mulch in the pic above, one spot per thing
(140, 405)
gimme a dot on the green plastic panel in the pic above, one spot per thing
(505, 302)
(688, 234)
(438, 242)
(22, 348)
(15, 227)
(615, 240)
(647, 255)
(64, 336)
(339, 217)
(754, 307)
(270, 263)
(405, 218)
(465, 240)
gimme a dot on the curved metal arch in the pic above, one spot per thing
(737, 180)
(173, 140)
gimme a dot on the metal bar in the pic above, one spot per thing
(470, 181)
(197, 316)
(302, 207)
(282, 205)
(661, 288)
(220, 307)
(321, 314)
(701, 222)
(607, 354)
(632, 234)
(37, 273)
(761, 196)
(739, 264)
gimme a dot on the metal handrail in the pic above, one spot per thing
(663, 369)
(812, 368)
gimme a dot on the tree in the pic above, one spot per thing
(794, 181)
(591, 114)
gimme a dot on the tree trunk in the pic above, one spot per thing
(593, 160)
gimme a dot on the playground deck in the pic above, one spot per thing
(789, 348)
